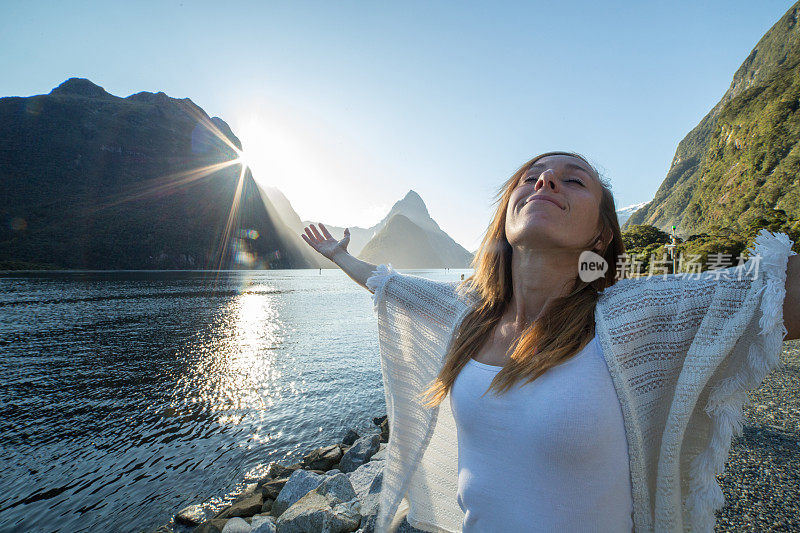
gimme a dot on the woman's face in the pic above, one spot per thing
(570, 220)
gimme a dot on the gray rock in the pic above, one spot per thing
(369, 512)
(248, 505)
(350, 437)
(322, 458)
(300, 483)
(215, 525)
(363, 476)
(272, 488)
(194, 515)
(380, 454)
(377, 483)
(348, 514)
(277, 471)
(361, 452)
(385, 431)
(237, 525)
(263, 524)
(337, 487)
(314, 512)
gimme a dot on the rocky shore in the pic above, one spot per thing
(337, 487)
(761, 482)
(334, 489)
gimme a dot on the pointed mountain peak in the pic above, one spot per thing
(411, 202)
(81, 87)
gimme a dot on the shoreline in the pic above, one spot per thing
(761, 482)
(338, 484)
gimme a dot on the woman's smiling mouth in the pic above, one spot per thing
(542, 197)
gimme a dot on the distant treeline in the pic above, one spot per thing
(717, 247)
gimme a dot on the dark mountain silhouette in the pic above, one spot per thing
(92, 180)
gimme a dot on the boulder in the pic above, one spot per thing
(359, 453)
(193, 516)
(331, 507)
(350, 437)
(385, 431)
(362, 478)
(271, 489)
(380, 454)
(246, 506)
(300, 483)
(237, 525)
(276, 471)
(322, 458)
(263, 524)
(215, 525)
(369, 512)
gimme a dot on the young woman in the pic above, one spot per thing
(614, 399)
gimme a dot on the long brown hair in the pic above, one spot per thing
(563, 328)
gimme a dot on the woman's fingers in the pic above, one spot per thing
(317, 233)
(325, 231)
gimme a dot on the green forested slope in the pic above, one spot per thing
(742, 161)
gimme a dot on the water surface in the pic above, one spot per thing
(129, 395)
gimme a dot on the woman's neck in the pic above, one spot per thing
(537, 278)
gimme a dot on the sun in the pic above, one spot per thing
(244, 159)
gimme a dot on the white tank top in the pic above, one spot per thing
(550, 455)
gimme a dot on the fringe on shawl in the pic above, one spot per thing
(377, 281)
(726, 400)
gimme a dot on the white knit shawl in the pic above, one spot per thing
(682, 354)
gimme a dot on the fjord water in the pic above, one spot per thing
(126, 396)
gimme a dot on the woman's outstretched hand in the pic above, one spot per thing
(324, 242)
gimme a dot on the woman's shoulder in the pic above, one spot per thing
(413, 292)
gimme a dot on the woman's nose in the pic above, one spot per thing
(546, 178)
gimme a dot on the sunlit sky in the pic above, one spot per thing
(345, 106)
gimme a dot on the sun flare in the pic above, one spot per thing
(244, 159)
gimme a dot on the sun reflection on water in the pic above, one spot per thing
(233, 372)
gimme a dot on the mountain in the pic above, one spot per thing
(409, 219)
(292, 227)
(426, 244)
(411, 206)
(742, 161)
(404, 244)
(624, 213)
(414, 222)
(90, 180)
(448, 252)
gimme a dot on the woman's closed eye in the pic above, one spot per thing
(568, 179)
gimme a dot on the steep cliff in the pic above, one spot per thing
(92, 180)
(742, 160)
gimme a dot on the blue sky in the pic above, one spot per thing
(345, 106)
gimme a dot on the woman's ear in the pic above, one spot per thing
(604, 238)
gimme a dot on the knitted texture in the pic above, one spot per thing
(682, 352)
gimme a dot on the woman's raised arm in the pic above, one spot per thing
(324, 243)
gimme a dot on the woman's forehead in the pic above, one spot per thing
(568, 161)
